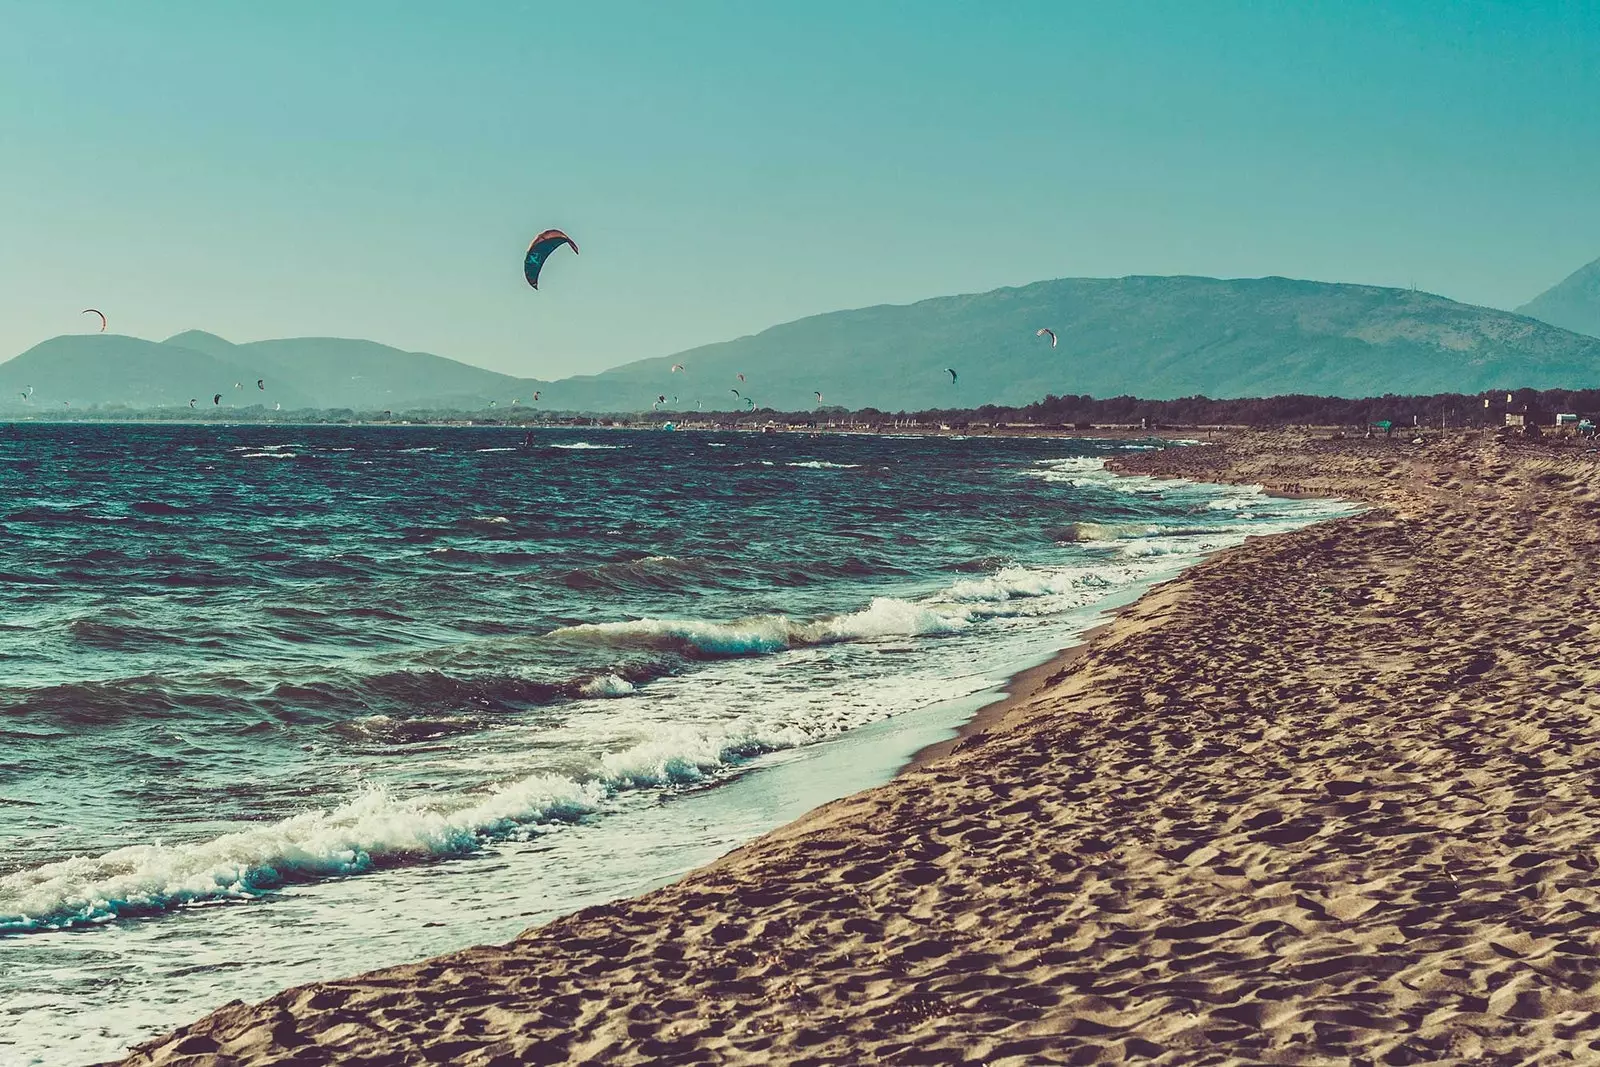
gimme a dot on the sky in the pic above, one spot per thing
(376, 170)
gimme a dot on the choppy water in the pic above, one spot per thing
(284, 703)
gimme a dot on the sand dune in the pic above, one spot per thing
(1330, 797)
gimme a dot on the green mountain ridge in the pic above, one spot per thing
(298, 373)
(1153, 337)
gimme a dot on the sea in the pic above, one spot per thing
(284, 703)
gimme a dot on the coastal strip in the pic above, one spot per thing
(1326, 797)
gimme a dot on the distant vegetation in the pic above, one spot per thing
(1058, 412)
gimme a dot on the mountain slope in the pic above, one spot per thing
(81, 370)
(87, 369)
(1573, 304)
(1157, 337)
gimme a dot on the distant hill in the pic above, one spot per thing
(1152, 337)
(313, 372)
(1155, 337)
(1574, 304)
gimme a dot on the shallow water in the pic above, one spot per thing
(282, 703)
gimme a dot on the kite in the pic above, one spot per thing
(539, 251)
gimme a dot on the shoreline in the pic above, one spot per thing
(1320, 798)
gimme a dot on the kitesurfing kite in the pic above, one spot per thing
(740, 377)
(261, 383)
(736, 393)
(24, 397)
(536, 396)
(192, 399)
(749, 405)
(819, 398)
(216, 399)
(676, 367)
(1050, 332)
(952, 372)
(92, 311)
(539, 251)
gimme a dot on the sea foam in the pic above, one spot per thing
(373, 831)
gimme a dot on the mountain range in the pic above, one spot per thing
(1573, 303)
(298, 373)
(1154, 337)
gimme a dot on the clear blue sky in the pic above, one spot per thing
(376, 169)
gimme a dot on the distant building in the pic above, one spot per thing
(1523, 417)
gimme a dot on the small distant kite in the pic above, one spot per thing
(192, 399)
(1051, 333)
(676, 367)
(93, 311)
(736, 393)
(740, 377)
(749, 405)
(536, 396)
(216, 399)
(24, 397)
(261, 383)
(539, 251)
(952, 372)
(819, 398)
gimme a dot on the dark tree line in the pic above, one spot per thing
(1457, 409)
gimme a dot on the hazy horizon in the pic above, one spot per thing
(372, 174)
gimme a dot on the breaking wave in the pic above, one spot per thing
(373, 831)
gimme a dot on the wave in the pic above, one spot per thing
(156, 507)
(661, 573)
(758, 634)
(608, 685)
(269, 455)
(585, 446)
(1103, 531)
(822, 464)
(510, 449)
(373, 831)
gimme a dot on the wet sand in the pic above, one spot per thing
(1332, 796)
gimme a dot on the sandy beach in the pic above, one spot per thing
(1328, 797)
